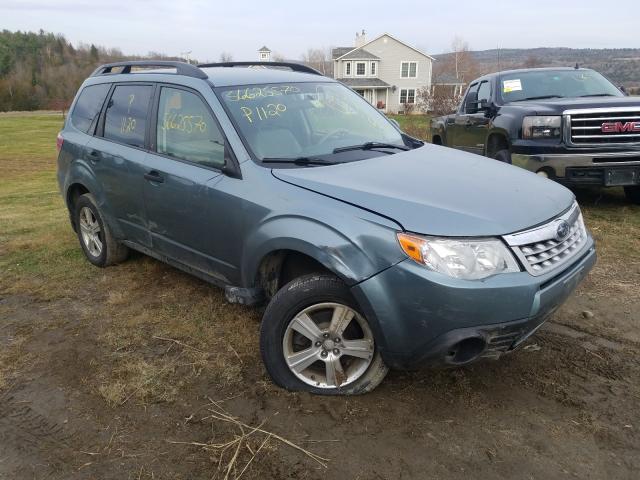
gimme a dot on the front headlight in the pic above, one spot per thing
(467, 259)
(541, 127)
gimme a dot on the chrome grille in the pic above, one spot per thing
(603, 126)
(542, 250)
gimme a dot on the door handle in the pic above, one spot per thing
(154, 177)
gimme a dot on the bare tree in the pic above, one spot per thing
(438, 100)
(532, 61)
(226, 57)
(318, 58)
(459, 64)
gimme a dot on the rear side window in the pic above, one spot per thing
(186, 130)
(126, 117)
(88, 106)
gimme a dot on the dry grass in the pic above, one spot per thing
(228, 452)
(615, 225)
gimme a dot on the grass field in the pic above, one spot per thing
(116, 363)
(415, 125)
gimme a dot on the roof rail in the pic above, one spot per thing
(296, 67)
(182, 68)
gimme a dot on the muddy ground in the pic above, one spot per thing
(566, 405)
(141, 372)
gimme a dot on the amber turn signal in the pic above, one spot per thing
(412, 246)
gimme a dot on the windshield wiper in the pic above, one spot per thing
(299, 161)
(541, 97)
(598, 95)
(370, 146)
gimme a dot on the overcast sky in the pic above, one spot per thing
(240, 27)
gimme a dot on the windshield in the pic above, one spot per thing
(519, 86)
(291, 121)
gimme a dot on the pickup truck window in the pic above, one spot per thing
(541, 84)
(484, 92)
(467, 106)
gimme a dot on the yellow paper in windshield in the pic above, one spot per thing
(511, 85)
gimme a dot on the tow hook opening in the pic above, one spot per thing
(466, 350)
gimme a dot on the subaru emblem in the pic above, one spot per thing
(563, 230)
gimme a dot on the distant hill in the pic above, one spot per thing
(621, 65)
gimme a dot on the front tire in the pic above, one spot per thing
(503, 156)
(97, 242)
(314, 338)
(633, 194)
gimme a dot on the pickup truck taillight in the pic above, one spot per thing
(59, 142)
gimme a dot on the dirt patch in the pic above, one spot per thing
(108, 387)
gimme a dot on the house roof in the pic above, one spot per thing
(264, 49)
(363, 82)
(447, 79)
(359, 54)
(340, 51)
(377, 38)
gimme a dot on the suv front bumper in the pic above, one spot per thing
(421, 317)
(585, 168)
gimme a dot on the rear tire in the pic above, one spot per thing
(633, 194)
(503, 156)
(314, 338)
(96, 239)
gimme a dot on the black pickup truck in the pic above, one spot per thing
(568, 124)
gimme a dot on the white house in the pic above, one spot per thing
(264, 54)
(385, 71)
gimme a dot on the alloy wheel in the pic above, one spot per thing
(328, 345)
(90, 232)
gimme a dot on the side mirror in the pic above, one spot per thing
(395, 123)
(623, 90)
(486, 106)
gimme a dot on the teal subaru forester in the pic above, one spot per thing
(371, 249)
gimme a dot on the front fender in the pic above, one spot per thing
(353, 254)
(438, 127)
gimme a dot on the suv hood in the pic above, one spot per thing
(559, 105)
(439, 191)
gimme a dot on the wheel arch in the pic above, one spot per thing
(279, 267)
(313, 246)
(81, 180)
(496, 140)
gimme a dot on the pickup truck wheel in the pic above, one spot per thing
(633, 194)
(503, 156)
(96, 239)
(313, 337)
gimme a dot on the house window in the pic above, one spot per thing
(347, 69)
(409, 69)
(407, 95)
(263, 56)
(373, 68)
(360, 69)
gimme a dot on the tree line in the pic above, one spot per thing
(40, 70)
